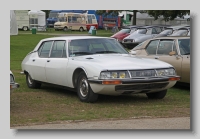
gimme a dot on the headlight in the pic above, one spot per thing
(114, 75)
(165, 72)
(12, 79)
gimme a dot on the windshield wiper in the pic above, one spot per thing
(106, 52)
(187, 54)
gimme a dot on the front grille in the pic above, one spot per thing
(148, 86)
(128, 40)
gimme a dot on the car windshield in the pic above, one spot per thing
(167, 31)
(95, 46)
(180, 33)
(141, 31)
(184, 46)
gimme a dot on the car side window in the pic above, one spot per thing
(154, 31)
(166, 46)
(152, 47)
(45, 49)
(149, 31)
(58, 49)
(158, 30)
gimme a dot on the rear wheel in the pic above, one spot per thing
(25, 28)
(157, 95)
(32, 83)
(84, 91)
(81, 29)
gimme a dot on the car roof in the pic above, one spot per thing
(184, 28)
(172, 37)
(177, 27)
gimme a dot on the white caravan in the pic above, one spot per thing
(22, 19)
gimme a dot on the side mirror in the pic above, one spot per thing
(172, 53)
(133, 52)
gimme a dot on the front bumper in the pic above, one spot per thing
(14, 86)
(129, 86)
(58, 27)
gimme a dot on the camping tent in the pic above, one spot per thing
(13, 23)
(37, 19)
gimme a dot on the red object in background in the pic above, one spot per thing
(121, 34)
(89, 25)
(119, 21)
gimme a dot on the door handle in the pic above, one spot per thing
(156, 57)
(48, 60)
(33, 60)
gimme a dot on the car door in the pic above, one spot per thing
(164, 48)
(38, 62)
(186, 69)
(157, 49)
(56, 64)
(184, 47)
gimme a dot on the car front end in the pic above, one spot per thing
(134, 81)
(58, 26)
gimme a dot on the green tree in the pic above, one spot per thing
(168, 14)
(47, 12)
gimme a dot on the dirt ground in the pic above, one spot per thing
(181, 123)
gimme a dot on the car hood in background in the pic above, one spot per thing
(119, 62)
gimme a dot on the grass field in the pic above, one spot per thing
(53, 104)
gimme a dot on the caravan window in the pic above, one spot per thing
(76, 19)
(89, 19)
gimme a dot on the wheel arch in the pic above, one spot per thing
(77, 71)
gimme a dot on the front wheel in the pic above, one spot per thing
(25, 28)
(84, 91)
(157, 95)
(65, 29)
(32, 83)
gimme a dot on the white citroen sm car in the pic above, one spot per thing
(96, 65)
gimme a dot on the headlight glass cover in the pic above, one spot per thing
(166, 72)
(114, 75)
(136, 73)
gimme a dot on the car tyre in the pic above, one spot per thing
(32, 83)
(84, 90)
(25, 28)
(157, 95)
(81, 29)
(65, 29)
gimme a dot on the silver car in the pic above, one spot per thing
(140, 35)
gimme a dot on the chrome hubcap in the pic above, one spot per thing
(84, 87)
(30, 80)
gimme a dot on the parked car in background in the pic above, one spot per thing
(13, 84)
(185, 31)
(170, 30)
(140, 35)
(93, 65)
(124, 32)
(173, 50)
(71, 21)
